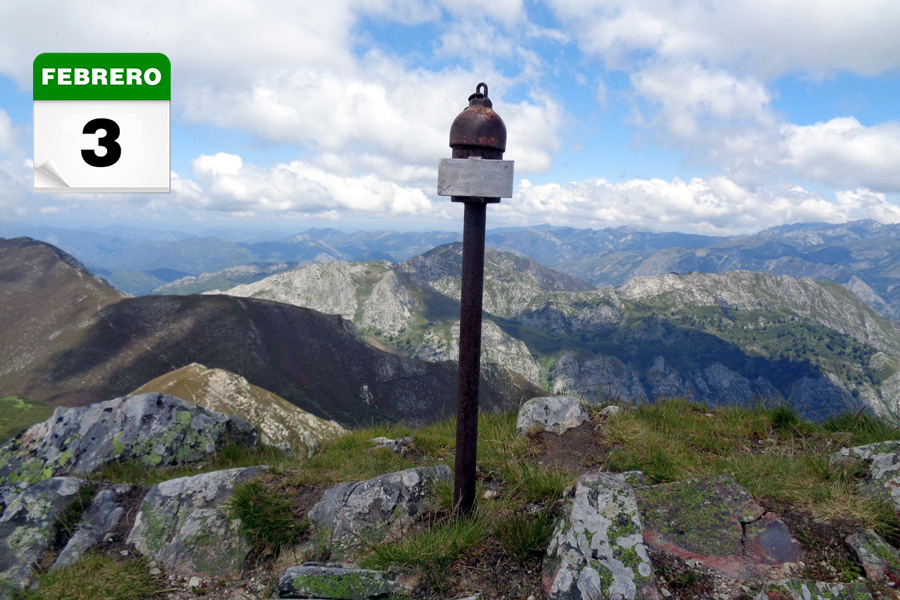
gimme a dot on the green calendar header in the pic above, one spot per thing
(102, 76)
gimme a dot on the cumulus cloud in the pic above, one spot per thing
(715, 206)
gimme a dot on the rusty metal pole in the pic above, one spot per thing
(478, 139)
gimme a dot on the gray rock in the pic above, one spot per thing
(154, 429)
(352, 513)
(552, 413)
(28, 527)
(397, 445)
(99, 519)
(598, 550)
(184, 526)
(884, 468)
(797, 589)
(878, 559)
(335, 581)
(611, 411)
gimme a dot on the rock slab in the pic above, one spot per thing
(183, 524)
(100, 518)
(555, 414)
(335, 581)
(715, 522)
(153, 429)
(879, 560)
(28, 527)
(883, 459)
(597, 549)
(797, 589)
(352, 513)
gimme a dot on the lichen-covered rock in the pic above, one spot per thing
(351, 513)
(597, 550)
(335, 581)
(797, 589)
(99, 519)
(878, 559)
(183, 524)
(154, 429)
(884, 468)
(715, 522)
(397, 445)
(280, 423)
(552, 413)
(28, 527)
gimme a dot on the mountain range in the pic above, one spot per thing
(738, 337)
(68, 338)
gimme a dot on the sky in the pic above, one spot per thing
(705, 116)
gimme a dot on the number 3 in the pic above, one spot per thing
(108, 141)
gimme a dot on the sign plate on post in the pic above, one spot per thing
(101, 122)
(475, 178)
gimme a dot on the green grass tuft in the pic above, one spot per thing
(525, 536)
(267, 519)
(96, 577)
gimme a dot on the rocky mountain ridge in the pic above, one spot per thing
(735, 337)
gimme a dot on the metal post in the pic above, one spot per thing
(471, 295)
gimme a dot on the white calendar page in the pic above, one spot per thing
(143, 139)
(101, 122)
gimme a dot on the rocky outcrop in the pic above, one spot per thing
(183, 524)
(716, 523)
(153, 429)
(335, 581)
(99, 519)
(879, 560)
(28, 526)
(883, 459)
(280, 423)
(555, 414)
(597, 550)
(352, 513)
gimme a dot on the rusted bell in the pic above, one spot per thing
(478, 130)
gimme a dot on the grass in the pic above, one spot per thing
(18, 414)
(95, 577)
(267, 519)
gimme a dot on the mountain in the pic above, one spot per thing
(280, 423)
(738, 337)
(224, 279)
(317, 362)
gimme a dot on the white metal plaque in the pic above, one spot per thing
(477, 178)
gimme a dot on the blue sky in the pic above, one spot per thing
(691, 115)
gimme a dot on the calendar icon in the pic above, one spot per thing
(101, 122)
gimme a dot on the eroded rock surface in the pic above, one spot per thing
(99, 519)
(183, 524)
(335, 581)
(883, 459)
(597, 550)
(28, 527)
(552, 413)
(715, 522)
(154, 429)
(351, 513)
(797, 589)
(879, 560)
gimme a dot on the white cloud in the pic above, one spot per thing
(766, 37)
(7, 133)
(843, 152)
(714, 206)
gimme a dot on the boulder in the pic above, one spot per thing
(352, 513)
(797, 589)
(597, 549)
(154, 429)
(28, 527)
(183, 524)
(335, 581)
(100, 518)
(551, 413)
(878, 559)
(884, 468)
(715, 522)
(396, 445)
